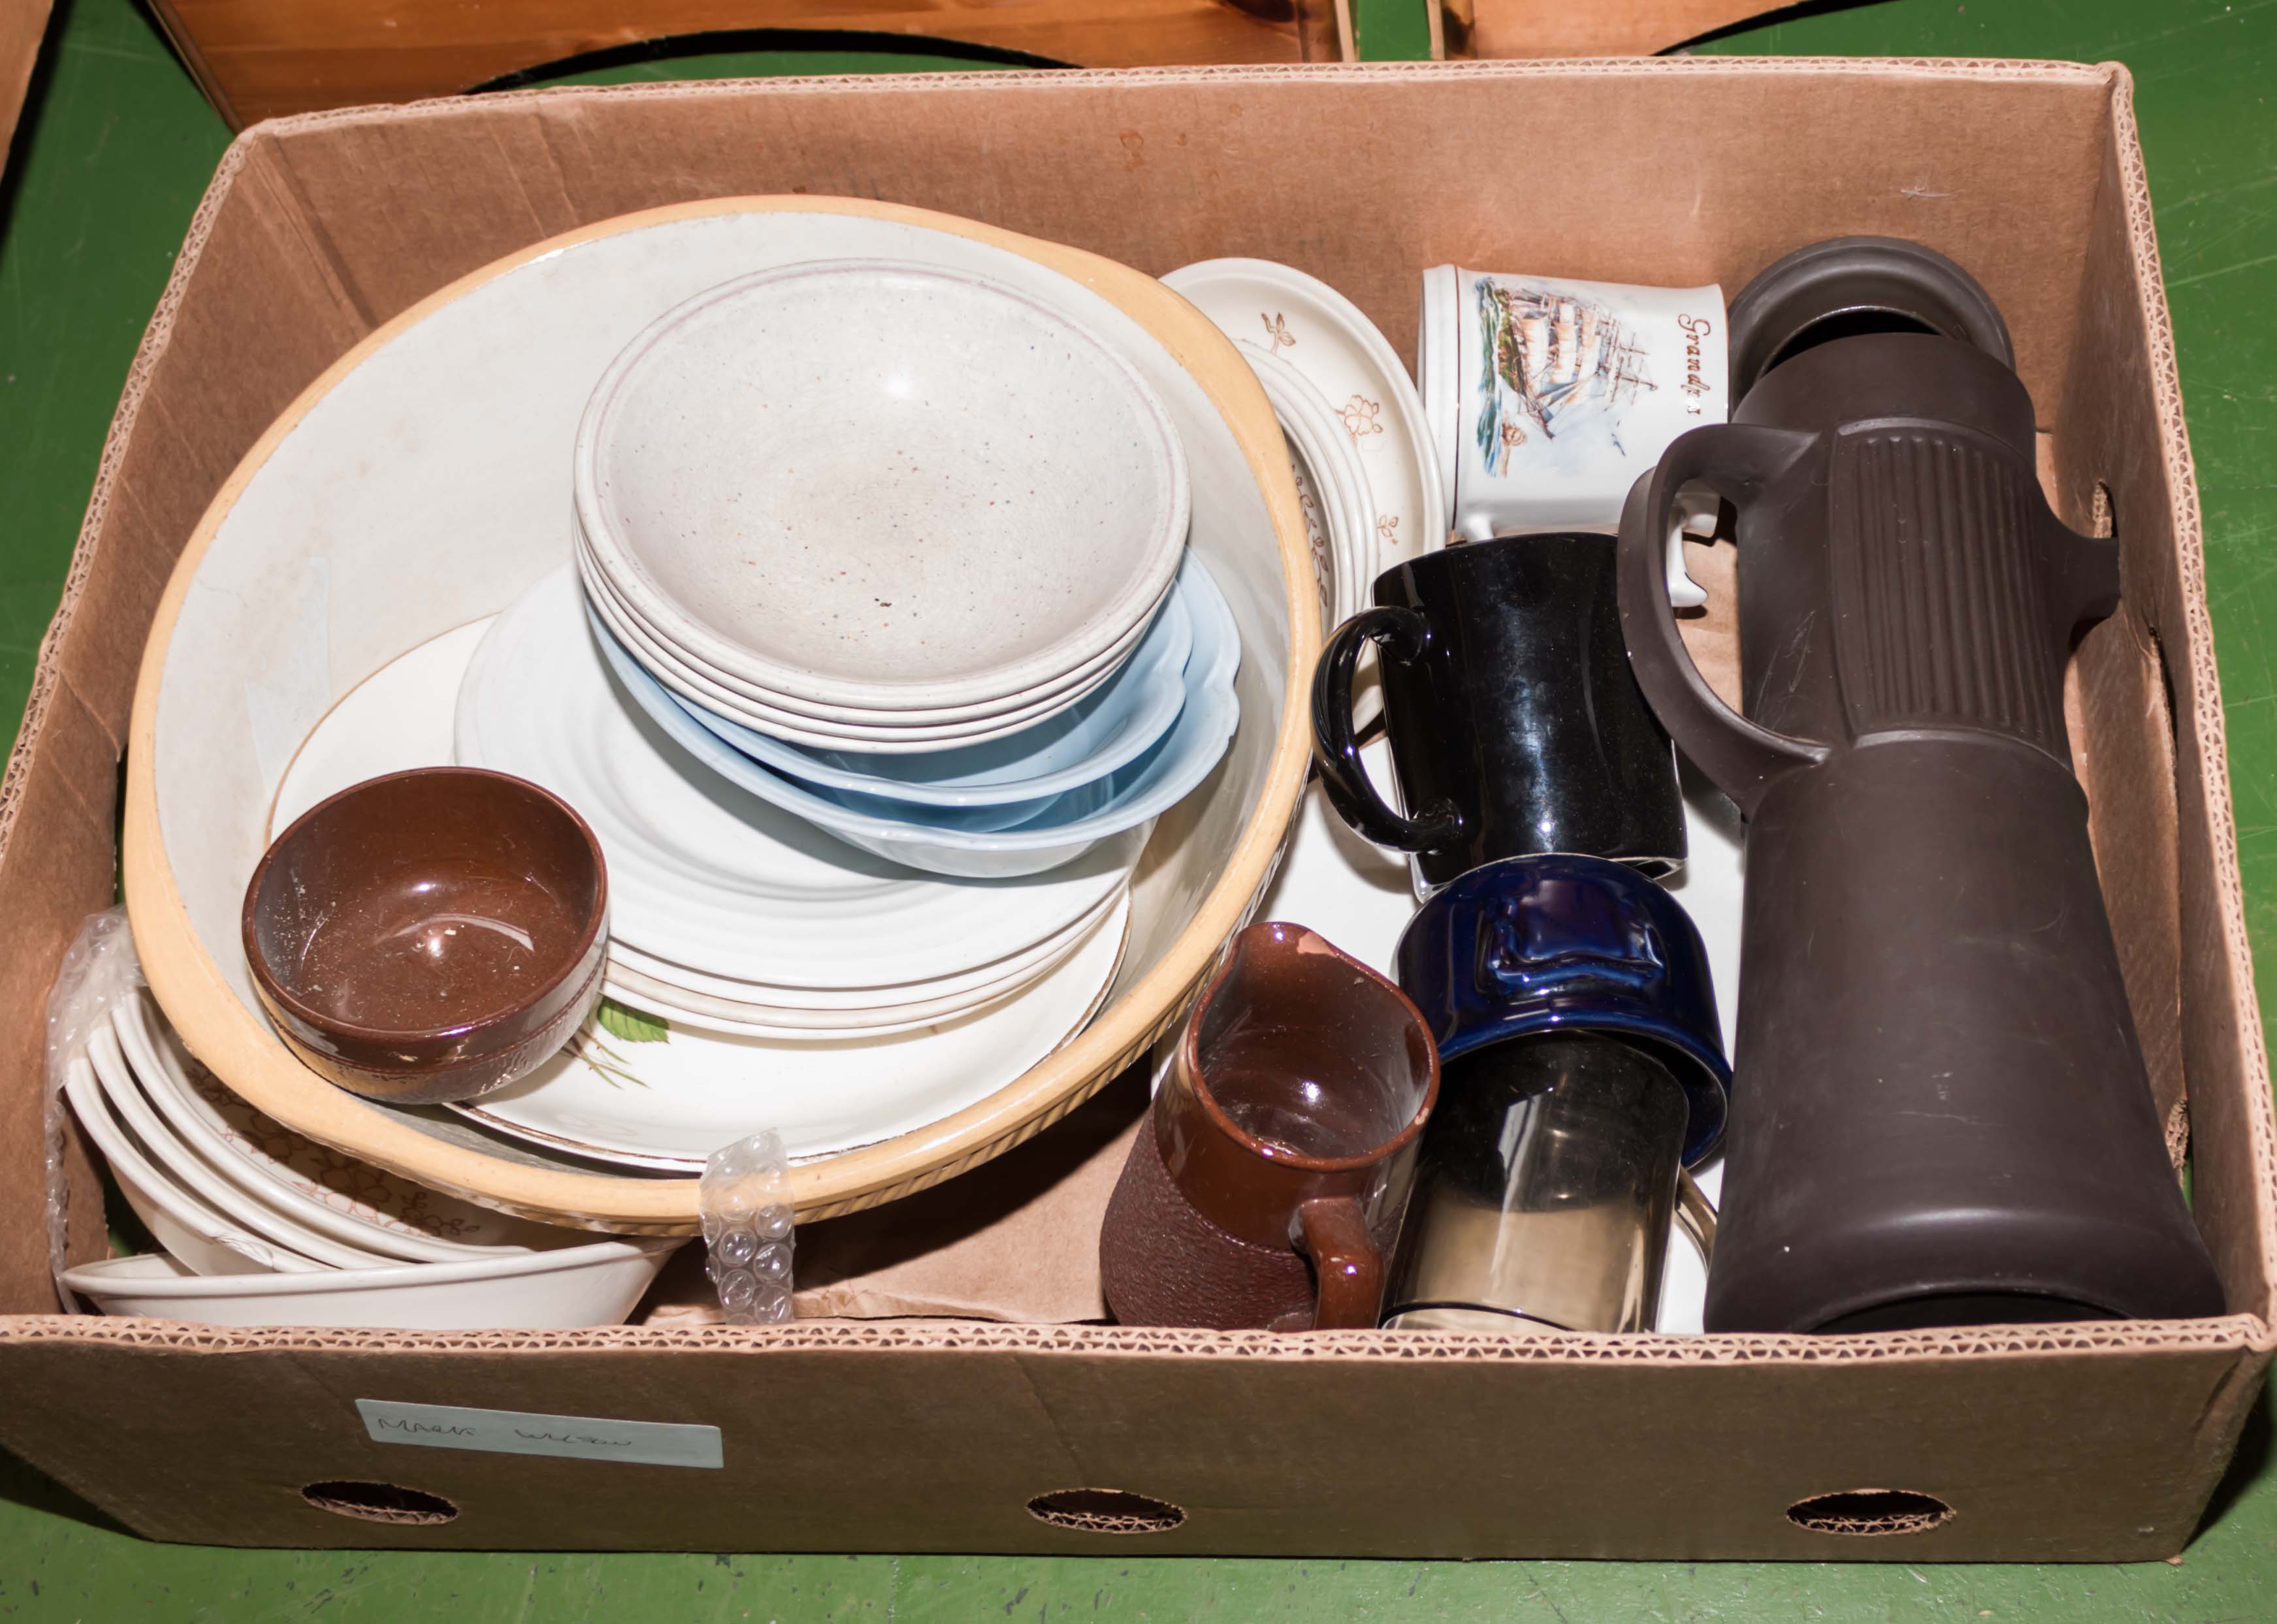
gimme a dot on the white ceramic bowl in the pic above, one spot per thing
(317, 564)
(1109, 726)
(206, 1242)
(843, 730)
(567, 1289)
(882, 484)
(1061, 831)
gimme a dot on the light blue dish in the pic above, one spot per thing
(1111, 725)
(1053, 831)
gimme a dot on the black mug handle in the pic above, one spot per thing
(1400, 634)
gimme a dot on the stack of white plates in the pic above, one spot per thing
(759, 973)
(304, 1235)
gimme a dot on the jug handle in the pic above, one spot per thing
(1346, 1260)
(1401, 634)
(1736, 460)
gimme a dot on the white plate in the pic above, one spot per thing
(1359, 898)
(324, 1189)
(192, 1172)
(204, 1241)
(707, 875)
(1314, 508)
(1438, 366)
(1324, 335)
(991, 977)
(567, 1289)
(395, 719)
(735, 1020)
(882, 484)
(668, 1103)
(721, 1013)
(1312, 426)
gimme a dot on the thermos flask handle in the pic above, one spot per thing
(1736, 460)
(1695, 1216)
(1345, 1262)
(1401, 635)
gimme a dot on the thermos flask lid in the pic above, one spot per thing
(1847, 285)
(1568, 943)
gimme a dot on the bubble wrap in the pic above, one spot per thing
(98, 971)
(744, 1197)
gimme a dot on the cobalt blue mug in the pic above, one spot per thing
(1583, 1070)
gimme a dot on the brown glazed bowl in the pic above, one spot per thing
(430, 936)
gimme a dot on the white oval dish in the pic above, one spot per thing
(401, 717)
(192, 1172)
(322, 1190)
(207, 1242)
(567, 1289)
(882, 484)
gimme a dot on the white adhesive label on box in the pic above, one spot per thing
(521, 1432)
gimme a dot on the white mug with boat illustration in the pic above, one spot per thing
(1547, 397)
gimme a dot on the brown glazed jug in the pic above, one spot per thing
(1265, 1190)
(1939, 1110)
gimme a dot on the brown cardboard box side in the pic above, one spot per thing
(2050, 1443)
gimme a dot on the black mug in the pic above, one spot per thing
(1516, 725)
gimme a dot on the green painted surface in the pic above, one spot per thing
(116, 151)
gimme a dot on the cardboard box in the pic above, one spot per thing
(2081, 1442)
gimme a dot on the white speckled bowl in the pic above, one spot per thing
(872, 486)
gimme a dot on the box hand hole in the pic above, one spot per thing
(380, 1502)
(1867, 1512)
(1106, 1511)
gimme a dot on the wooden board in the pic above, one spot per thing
(261, 58)
(22, 24)
(1593, 27)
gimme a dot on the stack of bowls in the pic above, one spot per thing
(901, 550)
(258, 1225)
(889, 551)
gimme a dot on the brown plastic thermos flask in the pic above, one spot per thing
(1939, 1110)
